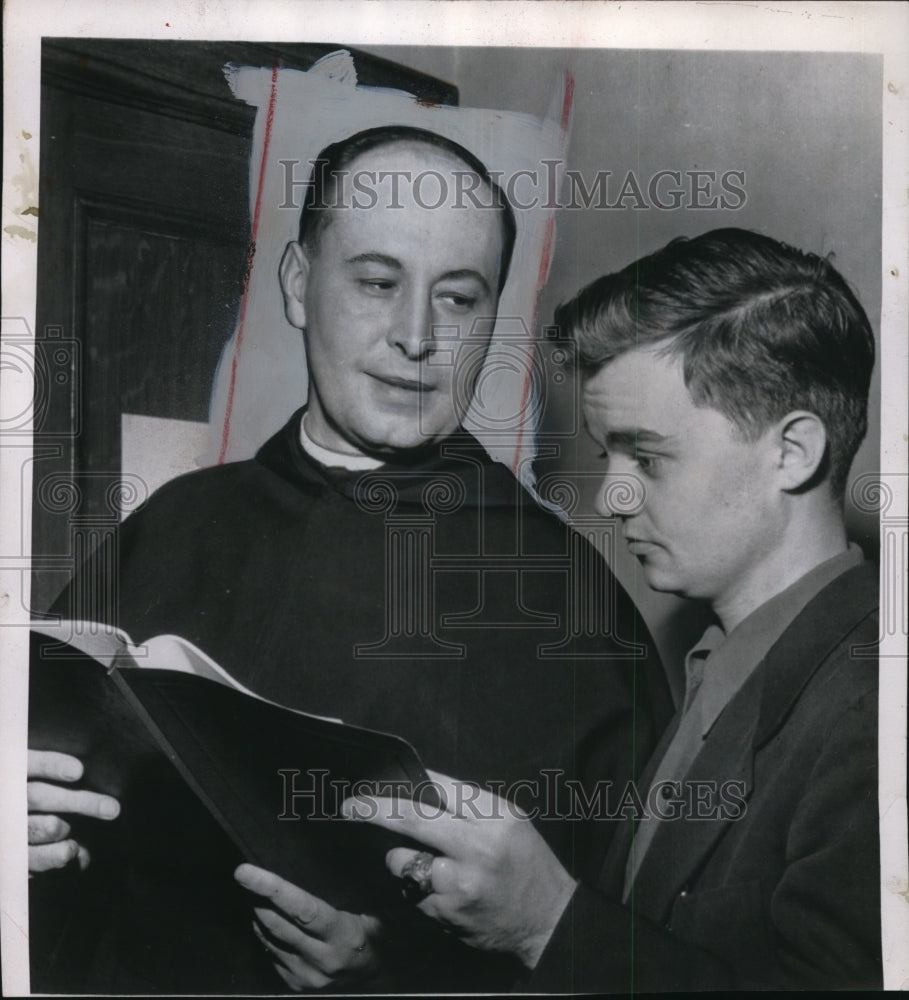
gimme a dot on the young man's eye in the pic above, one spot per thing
(377, 284)
(647, 463)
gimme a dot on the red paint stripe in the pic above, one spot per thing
(543, 273)
(235, 360)
(567, 102)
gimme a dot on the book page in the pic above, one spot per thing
(103, 643)
(172, 652)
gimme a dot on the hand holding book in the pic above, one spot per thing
(312, 945)
(50, 845)
(139, 721)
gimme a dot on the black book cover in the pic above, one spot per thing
(271, 779)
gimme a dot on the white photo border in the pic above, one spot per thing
(841, 27)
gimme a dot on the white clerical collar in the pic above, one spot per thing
(335, 459)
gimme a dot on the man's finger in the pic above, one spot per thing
(46, 857)
(438, 908)
(273, 948)
(444, 870)
(435, 828)
(47, 798)
(312, 915)
(287, 934)
(53, 766)
(397, 858)
(464, 798)
(46, 829)
(294, 970)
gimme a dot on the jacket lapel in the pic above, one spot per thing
(612, 873)
(679, 848)
(803, 647)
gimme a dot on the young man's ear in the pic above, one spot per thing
(802, 442)
(293, 274)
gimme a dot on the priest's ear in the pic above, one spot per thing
(801, 439)
(293, 274)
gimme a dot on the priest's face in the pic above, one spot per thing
(397, 300)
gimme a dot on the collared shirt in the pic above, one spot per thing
(716, 669)
(335, 459)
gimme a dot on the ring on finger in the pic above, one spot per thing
(417, 877)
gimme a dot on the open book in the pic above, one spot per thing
(272, 778)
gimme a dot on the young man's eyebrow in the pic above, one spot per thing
(373, 257)
(633, 437)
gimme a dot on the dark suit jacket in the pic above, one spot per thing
(788, 894)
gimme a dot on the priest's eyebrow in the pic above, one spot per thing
(465, 273)
(374, 257)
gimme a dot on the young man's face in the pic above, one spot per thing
(387, 299)
(708, 518)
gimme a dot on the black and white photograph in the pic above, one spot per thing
(454, 475)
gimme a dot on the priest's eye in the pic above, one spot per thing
(459, 302)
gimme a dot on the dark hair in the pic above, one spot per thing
(761, 328)
(334, 160)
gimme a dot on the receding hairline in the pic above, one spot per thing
(327, 212)
(423, 148)
(414, 144)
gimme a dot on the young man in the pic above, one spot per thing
(727, 376)
(283, 569)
